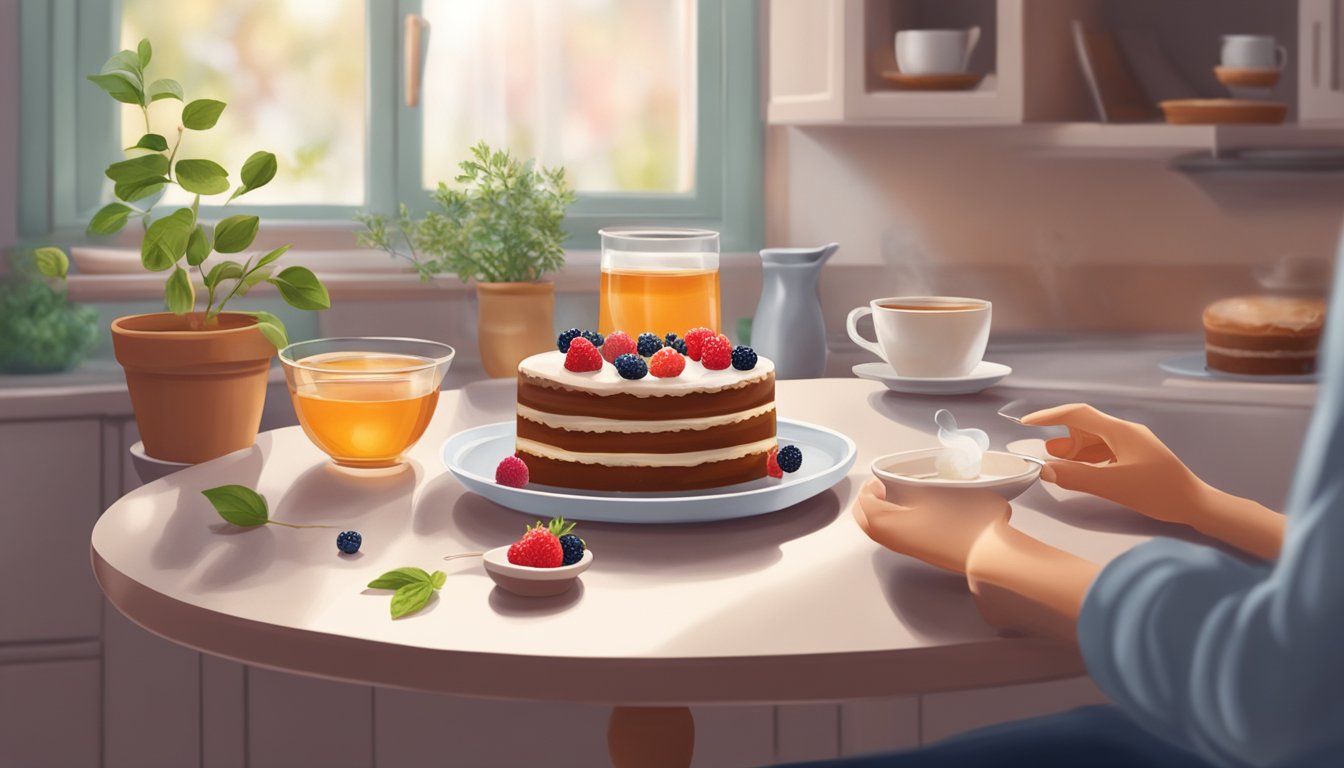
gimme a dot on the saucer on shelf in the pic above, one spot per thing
(984, 375)
(1193, 365)
(1237, 77)
(948, 81)
(1223, 111)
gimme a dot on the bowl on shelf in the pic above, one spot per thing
(1223, 111)
(533, 582)
(1238, 77)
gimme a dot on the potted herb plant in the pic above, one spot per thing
(197, 377)
(501, 227)
(41, 331)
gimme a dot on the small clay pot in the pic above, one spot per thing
(515, 320)
(197, 390)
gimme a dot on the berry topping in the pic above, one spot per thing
(678, 345)
(631, 367)
(582, 356)
(667, 363)
(349, 541)
(539, 548)
(594, 337)
(618, 343)
(695, 338)
(562, 342)
(790, 458)
(744, 358)
(570, 544)
(649, 343)
(511, 472)
(669, 340)
(772, 464)
(716, 353)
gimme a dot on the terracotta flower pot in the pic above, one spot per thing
(197, 394)
(514, 320)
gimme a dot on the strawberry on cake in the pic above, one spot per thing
(657, 422)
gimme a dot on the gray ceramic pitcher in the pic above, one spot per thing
(788, 327)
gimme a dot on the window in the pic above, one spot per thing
(651, 105)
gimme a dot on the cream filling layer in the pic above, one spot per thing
(1262, 354)
(687, 459)
(594, 424)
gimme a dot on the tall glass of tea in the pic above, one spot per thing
(658, 281)
(365, 401)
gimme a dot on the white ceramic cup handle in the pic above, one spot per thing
(852, 325)
(972, 37)
(1281, 54)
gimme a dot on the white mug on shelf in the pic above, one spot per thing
(926, 337)
(935, 51)
(1253, 52)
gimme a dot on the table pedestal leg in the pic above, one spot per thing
(650, 737)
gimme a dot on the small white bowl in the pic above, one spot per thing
(1007, 474)
(533, 582)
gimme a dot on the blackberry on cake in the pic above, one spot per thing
(631, 367)
(562, 342)
(649, 344)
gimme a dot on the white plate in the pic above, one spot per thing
(984, 376)
(1192, 365)
(473, 454)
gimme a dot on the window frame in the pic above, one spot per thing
(66, 147)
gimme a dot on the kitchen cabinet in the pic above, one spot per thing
(1320, 61)
(49, 712)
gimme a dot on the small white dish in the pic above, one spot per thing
(533, 582)
(1193, 365)
(148, 468)
(982, 377)
(1007, 474)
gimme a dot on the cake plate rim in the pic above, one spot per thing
(1194, 365)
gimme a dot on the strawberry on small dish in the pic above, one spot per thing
(531, 581)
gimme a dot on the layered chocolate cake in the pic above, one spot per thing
(596, 430)
(1263, 335)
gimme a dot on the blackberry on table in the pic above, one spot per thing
(349, 541)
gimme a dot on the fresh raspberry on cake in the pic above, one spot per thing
(618, 343)
(772, 463)
(716, 353)
(667, 363)
(695, 339)
(582, 356)
(539, 548)
(512, 471)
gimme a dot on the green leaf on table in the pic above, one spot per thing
(273, 329)
(144, 53)
(400, 577)
(138, 168)
(238, 504)
(201, 114)
(120, 87)
(204, 177)
(271, 257)
(151, 141)
(109, 219)
(257, 172)
(165, 88)
(411, 598)
(224, 270)
(52, 262)
(301, 289)
(179, 294)
(438, 578)
(166, 240)
(235, 233)
(198, 246)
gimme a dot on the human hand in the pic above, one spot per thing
(1118, 460)
(938, 526)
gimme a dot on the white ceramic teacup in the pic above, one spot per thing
(1253, 52)
(926, 337)
(935, 51)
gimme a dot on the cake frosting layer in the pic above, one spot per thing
(597, 477)
(543, 396)
(754, 430)
(596, 424)
(1266, 314)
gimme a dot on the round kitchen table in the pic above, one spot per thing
(797, 605)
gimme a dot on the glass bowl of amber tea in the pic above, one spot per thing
(365, 401)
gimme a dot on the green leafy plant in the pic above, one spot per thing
(245, 508)
(413, 588)
(503, 223)
(179, 241)
(41, 331)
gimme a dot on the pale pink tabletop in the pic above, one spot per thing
(792, 606)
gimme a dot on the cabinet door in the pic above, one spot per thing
(51, 473)
(1321, 61)
(49, 714)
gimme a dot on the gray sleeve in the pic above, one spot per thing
(1242, 662)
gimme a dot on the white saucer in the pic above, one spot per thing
(984, 376)
(1193, 365)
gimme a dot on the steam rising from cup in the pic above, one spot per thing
(963, 449)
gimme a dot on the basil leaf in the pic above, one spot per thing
(238, 504)
(235, 233)
(198, 246)
(151, 141)
(272, 256)
(144, 53)
(253, 278)
(124, 61)
(138, 168)
(109, 219)
(258, 170)
(204, 177)
(51, 262)
(400, 577)
(166, 240)
(119, 87)
(273, 329)
(201, 114)
(224, 270)
(301, 289)
(411, 598)
(165, 89)
(130, 191)
(179, 294)
(438, 579)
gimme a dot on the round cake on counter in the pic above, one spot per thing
(1263, 335)
(598, 431)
